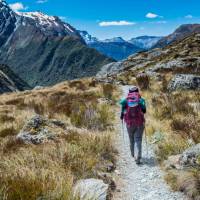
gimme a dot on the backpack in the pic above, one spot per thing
(134, 115)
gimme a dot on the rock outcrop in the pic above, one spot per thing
(91, 189)
(189, 158)
(39, 130)
(184, 82)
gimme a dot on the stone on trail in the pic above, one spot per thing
(91, 189)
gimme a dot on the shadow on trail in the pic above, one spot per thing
(149, 161)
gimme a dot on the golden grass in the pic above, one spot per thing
(49, 171)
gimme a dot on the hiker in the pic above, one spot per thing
(133, 110)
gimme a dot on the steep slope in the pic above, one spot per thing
(10, 82)
(180, 33)
(145, 42)
(43, 50)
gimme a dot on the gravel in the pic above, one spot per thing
(143, 182)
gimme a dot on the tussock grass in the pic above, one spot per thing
(176, 116)
(49, 171)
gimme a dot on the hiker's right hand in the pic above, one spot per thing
(122, 116)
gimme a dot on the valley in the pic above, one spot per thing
(61, 136)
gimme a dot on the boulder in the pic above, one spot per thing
(39, 130)
(91, 189)
(173, 162)
(191, 156)
(184, 82)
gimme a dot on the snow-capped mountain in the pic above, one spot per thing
(145, 42)
(50, 25)
(44, 50)
(87, 37)
(115, 40)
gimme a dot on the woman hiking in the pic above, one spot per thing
(133, 108)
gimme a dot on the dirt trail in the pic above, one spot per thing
(143, 182)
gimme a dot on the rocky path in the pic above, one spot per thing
(144, 182)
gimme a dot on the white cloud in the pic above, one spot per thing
(41, 1)
(116, 23)
(188, 16)
(18, 6)
(151, 15)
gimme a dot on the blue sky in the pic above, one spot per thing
(111, 18)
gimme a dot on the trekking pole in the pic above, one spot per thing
(146, 140)
(123, 131)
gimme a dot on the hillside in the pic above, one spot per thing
(180, 33)
(43, 50)
(10, 82)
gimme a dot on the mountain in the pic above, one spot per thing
(10, 82)
(87, 37)
(43, 50)
(116, 48)
(145, 42)
(180, 33)
(116, 40)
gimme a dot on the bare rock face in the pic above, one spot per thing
(91, 189)
(184, 82)
(39, 130)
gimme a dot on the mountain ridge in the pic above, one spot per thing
(43, 50)
(117, 47)
(180, 33)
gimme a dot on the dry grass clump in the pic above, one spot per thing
(92, 116)
(143, 81)
(108, 90)
(185, 181)
(171, 145)
(49, 171)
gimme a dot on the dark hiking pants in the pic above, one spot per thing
(135, 136)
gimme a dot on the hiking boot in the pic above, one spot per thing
(138, 161)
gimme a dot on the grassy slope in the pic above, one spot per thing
(50, 170)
